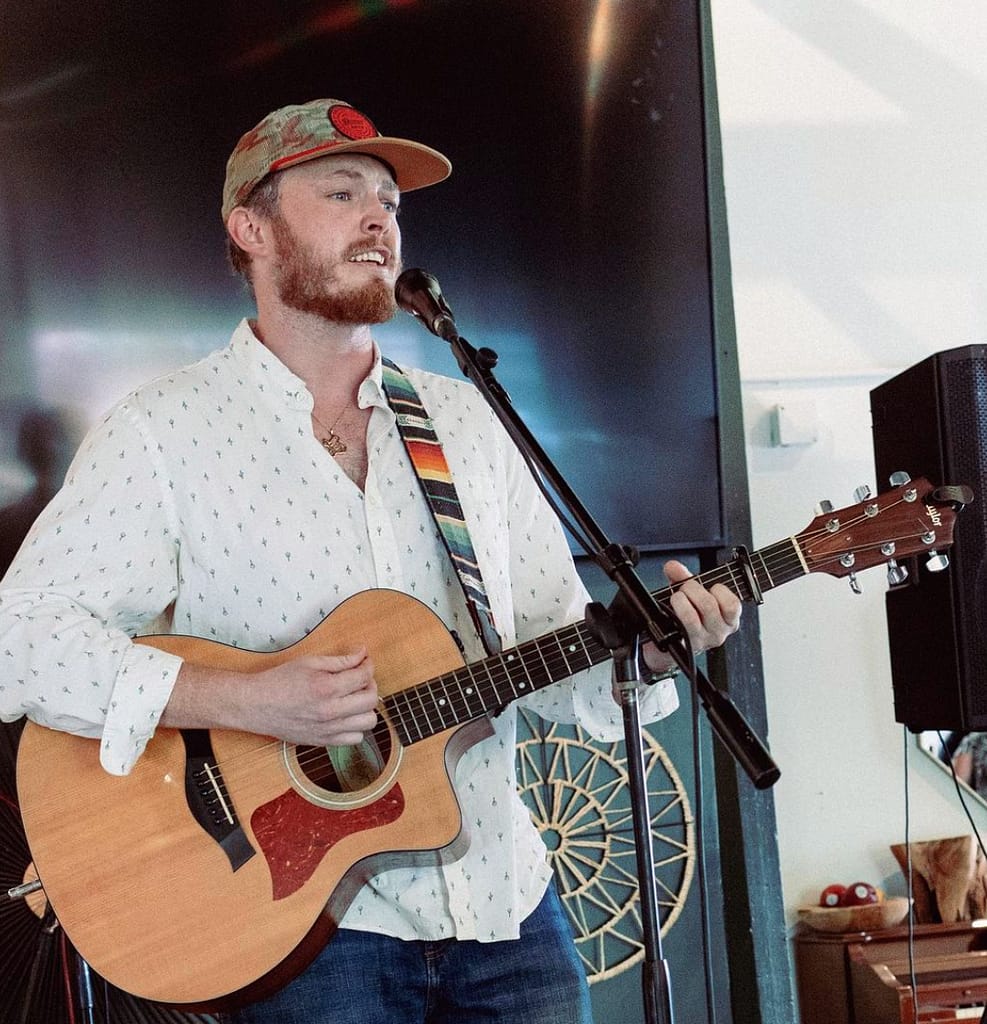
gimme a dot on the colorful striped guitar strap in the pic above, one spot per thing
(429, 462)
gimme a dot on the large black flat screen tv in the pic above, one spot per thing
(572, 238)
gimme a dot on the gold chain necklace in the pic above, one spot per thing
(333, 444)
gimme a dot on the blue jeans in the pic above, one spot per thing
(362, 978)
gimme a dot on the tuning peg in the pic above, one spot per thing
(823, 509)
(896, 573)
(937, 562)
(862, 493)
(854, 585)
(899, 479)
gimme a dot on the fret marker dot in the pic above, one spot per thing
(572, 648)
(469, 689)
(510, 657)
(442, 702)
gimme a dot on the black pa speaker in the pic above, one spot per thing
(931, 421)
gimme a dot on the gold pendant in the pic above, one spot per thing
(333, 444)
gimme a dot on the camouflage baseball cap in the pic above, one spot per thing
(306, 131)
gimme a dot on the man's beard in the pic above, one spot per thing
(311, 285)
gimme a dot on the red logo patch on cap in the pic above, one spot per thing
(352, 123)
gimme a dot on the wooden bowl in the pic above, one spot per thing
(865, 918)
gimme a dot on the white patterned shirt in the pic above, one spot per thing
(204, 498)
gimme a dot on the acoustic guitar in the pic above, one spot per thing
(217, 870)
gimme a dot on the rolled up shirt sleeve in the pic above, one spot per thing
(99, 566)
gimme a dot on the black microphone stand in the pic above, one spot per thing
(633, 613)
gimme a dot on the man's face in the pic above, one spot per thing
(337, 239)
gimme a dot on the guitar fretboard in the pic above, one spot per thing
(486, 686)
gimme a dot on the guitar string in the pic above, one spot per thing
(789, 560)
(458, 701)
(475, 699)
(775, 560)
(462, 704)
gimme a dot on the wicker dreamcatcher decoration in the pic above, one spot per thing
(577, 791)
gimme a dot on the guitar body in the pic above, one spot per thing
(154, 902)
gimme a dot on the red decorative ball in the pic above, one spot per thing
(859, 894)
(832, 895)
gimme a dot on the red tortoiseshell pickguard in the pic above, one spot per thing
(295, 835)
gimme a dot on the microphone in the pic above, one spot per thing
(418, 293)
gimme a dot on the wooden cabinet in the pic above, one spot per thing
(866, 977)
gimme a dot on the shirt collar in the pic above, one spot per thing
(277, 381)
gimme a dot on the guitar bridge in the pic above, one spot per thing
(209, 801)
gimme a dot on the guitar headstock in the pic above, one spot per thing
(912, 518)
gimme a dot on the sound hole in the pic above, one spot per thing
(348, 769)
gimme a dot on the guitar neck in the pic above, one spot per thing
(485, 686)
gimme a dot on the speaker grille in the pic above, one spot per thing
(965, 427)
(931, 421)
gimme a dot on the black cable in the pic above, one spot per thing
(962, 798)
(912, 980)
(701, 874)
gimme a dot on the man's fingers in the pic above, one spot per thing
(709, 616)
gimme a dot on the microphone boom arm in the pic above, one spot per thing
(418, 293)
(634, 612)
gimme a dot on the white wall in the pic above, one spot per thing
(855, 147)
